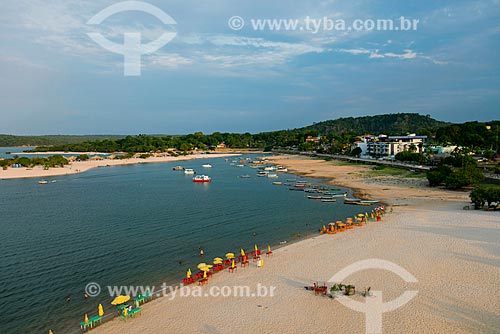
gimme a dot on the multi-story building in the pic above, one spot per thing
(389, 146)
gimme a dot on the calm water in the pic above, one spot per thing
(130, 225)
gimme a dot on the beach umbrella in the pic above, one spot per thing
(230, 255)
(125, 311)
(361, 215)
(242, 252)
(268, 248)
(217, 261)
(204, 275)
(188, 274)
(232, 264)
(86, 318)
(120, 300)
(200, 265)
(100, 310)
(255, 247)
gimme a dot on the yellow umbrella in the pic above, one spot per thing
(361, 215)
(204, 275)
(242, 252)
(100, 310)
(125, 311)
(232, 264)
(189, 273)
(86, 318)
(206, 268)
(217, 261)
(268, 248)
(200, 265)
(230, 255)
(120, 300)
(255, 247)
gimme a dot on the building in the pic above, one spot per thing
(389, 146)
(313, 139)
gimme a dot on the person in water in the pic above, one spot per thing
(68, 299)
(202, 253)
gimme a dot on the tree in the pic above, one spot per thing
(485, 194)
(356, 152)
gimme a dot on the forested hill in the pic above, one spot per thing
(390, 124)
(10, 141)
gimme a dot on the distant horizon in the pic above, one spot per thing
(226, 131)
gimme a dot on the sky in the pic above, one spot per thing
(218, 75)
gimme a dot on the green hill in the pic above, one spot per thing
(390, 124)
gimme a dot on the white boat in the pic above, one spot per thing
(282, 170)
(43, 182)
(272, 175)
(244, 176)
(202, 179)
(189, 171)
(277, 183)
(206, 166)
(240, 165)
(270, 168)
(178, 168)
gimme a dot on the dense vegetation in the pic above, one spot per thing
(53, 161)
(456, 171)
(470, 134)
(485, 195)
(11, 141)
(388, 124)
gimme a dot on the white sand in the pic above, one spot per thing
(82, 166)
(454, 254)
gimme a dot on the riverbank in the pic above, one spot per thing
(394, 190)
(83, 166)
(453, 254)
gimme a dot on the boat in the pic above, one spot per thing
(277, 183)
(291, 180)
(189, 171)
(338, 195)
(269, 168)
(366, 202)
(179, 168)
(282, 170)
(43, 182)
(297, 189)
(244, 176)
(240, 165)
(262, 173)
(202, 179)
(328, 200)
(314, 197)
(206, 166)
(310, 190)
(272, 175)
(351, 200)
(303, 186)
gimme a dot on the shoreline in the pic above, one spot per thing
(83, 166)
(418, 233)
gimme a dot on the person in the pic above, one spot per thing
(85, 296)
(68, 299)
(202, 253)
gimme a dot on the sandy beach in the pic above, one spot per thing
(83, 166)
(454, 255)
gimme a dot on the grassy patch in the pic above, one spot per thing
(392, 171)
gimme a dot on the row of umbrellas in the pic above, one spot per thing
(217, 261)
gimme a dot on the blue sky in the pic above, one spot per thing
(55, 80)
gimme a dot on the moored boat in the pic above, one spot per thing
(351, 200)
(277, 183)
(202, 179)
(43, 182)
(315, 197)
(272, 175)
(206, 166)
(178, 168)
(189, 171)
(244, 176)
(367, 202)
(328, 200)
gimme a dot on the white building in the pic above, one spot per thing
(389, 146)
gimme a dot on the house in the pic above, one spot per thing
(221, 145)
(313, 139)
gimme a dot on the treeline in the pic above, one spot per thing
(53, 161)
(471, 134)
(395, 124)
(11, 141)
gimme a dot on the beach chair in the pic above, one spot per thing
(341, 227)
